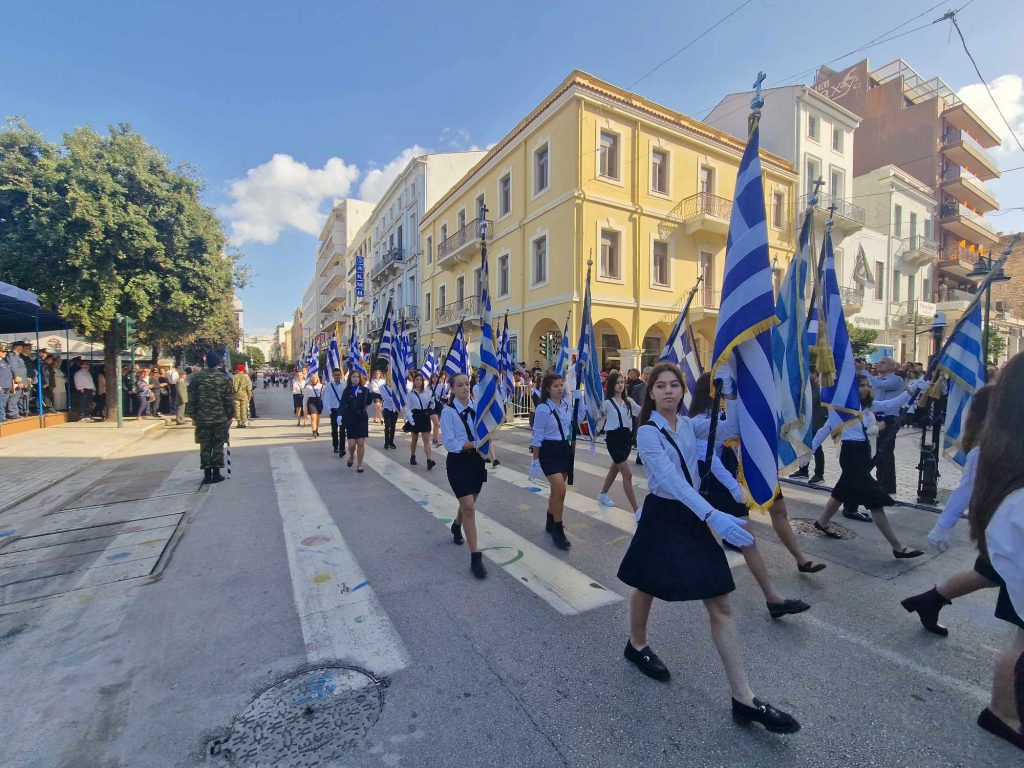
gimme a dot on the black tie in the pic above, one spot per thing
(471, 412)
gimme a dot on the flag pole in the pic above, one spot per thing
(574, 426)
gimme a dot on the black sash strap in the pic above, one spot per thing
(618, 411)
(558, 420)
(334, 389)
(466, 413)
(682, 461)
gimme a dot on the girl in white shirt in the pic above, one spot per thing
(419, 405)
(617, 413)
(298, 400)
(313, 403)
(551, 452)
(378, 401)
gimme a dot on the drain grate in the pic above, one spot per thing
(805, 527)
(304, 721)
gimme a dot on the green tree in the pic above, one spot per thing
(255, 354)
(105, 224)
(995, 345)
(861, 339)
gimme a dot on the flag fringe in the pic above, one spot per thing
(751, 333)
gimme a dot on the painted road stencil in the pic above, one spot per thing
(564, 588)
(341, 617)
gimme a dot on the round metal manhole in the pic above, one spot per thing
(308, 720)
(805, 527)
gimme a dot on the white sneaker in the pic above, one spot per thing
(605, 499)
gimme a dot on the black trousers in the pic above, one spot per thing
(390, 420)
(819, 462)
(885, 456)
(337, 432)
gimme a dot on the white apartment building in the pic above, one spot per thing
(310, 309)
(333, 259)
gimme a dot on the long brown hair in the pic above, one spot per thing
(648, 406)
(974, 421)
(609, 386)
(701, 400)
(545, 385)
(1000, 469)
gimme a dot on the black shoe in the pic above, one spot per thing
(774, 720)
(995, 725)
(647, 661)
(476, 565)
(431, 463)
(207, 474)
(217, 476)
(549, 524)
(817, 480)
(810, 567)
(906, 554)
(802, 472)
(827, 531)
(495, 463)
(456, 530)
(412, 459)
(349, 463)
(787, 608)
(927, 606)
(558, 536)
(864, 517)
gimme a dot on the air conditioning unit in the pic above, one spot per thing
(1002, 306)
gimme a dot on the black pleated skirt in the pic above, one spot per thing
(466, 473)
(420, 421)
(856, 485)
(674, 556)
(357, 428)
(1004, 608)
(314, 405)
(554, 457)
(619, 442)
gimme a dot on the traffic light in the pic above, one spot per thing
(128, 330)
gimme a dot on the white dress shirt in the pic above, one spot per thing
(311, 391)
(960, 499)
(453, 429)
(297, 386)
(376, 384)
(332, 396)
(418, 401)
(616, 415)
(387, 399)
(547, 419)
(83, 380)
(1005, 539)
(864, 428)
(665, 477)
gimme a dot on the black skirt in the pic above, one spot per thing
(718, 496)
(296, 401)
(674, 556)
(420, 421)
(554, 457)
(466, 473)
(619, 442)
(856, 485)
(314, 405)
(357, 428)
(1004, 608)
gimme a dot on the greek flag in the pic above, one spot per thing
(505, 358)
(962, 360)
(489, 410)
(386, 341)
(355, 354)
(314, 360)
(399, 364)
(790, 357)
(563, 354)
(681, 349)
(744, 328)
(842, 394)
(458, 354)
(429, 367)
(588, 366)
(333, 355)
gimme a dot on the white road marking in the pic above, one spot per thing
(341, 617)
(563, 587)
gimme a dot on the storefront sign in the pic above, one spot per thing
(360, 278)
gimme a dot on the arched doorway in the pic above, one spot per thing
(611, 336)
(545, 342)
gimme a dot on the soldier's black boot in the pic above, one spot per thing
(207, 474)
(217, 476)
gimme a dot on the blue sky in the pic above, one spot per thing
(283, 106)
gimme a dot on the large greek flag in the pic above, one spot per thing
(744, 327)
(333, 356)
(489, 410)
(841, 395)
(506, 363)
(355, 354)
(399, 364)
(314, 360)
(562, 362)
(588, 366)
(681, 349)
(963, 361)
(790, 357)
(387, 341)
(457, 360)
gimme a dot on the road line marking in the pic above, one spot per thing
(340, 615)
(566, 589)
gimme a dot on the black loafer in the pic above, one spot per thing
(774, 720)
(827, 531)
(906, 554)
(476, 565)
(456, 530)
(992, 723)
(810, 567)
(787, 608)
(647, 661)
(431, 463)
(863, 517)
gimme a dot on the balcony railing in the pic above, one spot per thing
(704, 203)
(708, 298)
(948, 210)
(961, 256)
(389, 257)
(852, 297)
(954, 294)
(844, 208)
(409, 314)
(454, 243)
(455, 311)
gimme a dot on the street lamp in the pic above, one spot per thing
(928, 462)
(982, 269)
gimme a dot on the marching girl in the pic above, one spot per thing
(928, 604)
(617, 414)
(726, 494)
(418, 409)
(312, 395)
(389, 412)
(464, 466)
(673, 555)
(551, 454)
(354, 402)
(440, 389)
(997, 524)
(856, 485)
(378, 401)
(298, 401)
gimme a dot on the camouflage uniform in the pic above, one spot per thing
(241, 384)
(210, 405)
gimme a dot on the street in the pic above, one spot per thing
(301, 614)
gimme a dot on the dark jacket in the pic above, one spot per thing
(353, 405)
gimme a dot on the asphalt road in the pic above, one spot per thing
(303, 614)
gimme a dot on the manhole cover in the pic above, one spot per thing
(307, 720)
(805, 527)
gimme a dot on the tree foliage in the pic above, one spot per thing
(255, 354)
(861, 339)
(995, 345)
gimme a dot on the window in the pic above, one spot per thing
(836, 187)
(897, 221)
(707, 180)
(540, 169)
(503, 275)
(837, 138)
(813, 170)
(540, 260)
(426, 306)
(442, 296)
(706, 261)
(460, 289)
(926, 287)
(928, 229)
(609, 155)
(461, 220)
(659, 260)
(897, 276)
(610, 254)
(477, 283)
(505, 195)
(879, 280)
(913, 225)
(778, 209)
(812, 127)
(659, 171)
(481, 204)
(444, 232)
(430, 249)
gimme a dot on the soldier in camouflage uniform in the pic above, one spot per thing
(211, 404)
(241, 384)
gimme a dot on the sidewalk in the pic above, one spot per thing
(36, 460)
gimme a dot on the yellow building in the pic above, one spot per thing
(593, 172)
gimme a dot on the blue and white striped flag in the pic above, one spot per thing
(333, 356)
(355, 354)
(744, 328)
(489, 410)
(386, 341)
(458, 354)
(507, 364)
(399, 364)
(562, 362)
(841, 395)
(429, 367)
(588, 366)
(314, 360)
(791, 357)
(681, 349)
(963, 361)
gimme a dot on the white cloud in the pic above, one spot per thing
(376, 181)
(284, 193)
(1008, 91)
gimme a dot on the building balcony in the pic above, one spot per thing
(912, 313)
(957, 261)
(967, 225)
(334, 302)
(969, 155)
(853, 300)
(392, 257)
(918, 251)
(953, 299)
(847, 218)
(462, 246)
(332, 278)
(966, 119)
(967, 189)
(702, 212)
(408, 314)
(456, 311)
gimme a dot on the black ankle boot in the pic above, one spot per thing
(456, 530)
(217, 476)
(476, 565)
(549, 524)
(558, 536)
(207, 474)
(774, 720)
(927, 606)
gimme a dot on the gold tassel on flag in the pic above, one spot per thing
(825, 363)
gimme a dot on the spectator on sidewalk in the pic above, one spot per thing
(17, 405)
(6, 384)
(172, 390)
(85, 388)
(59, 385)
(180, 394)
(142, 393)
(99, 410)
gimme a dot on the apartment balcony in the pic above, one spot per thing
(462, 246)
(969, 155)
(334, 302)
(853, 300)
(953, 299)
(967, 189)
(912, 314)
(966, 119)
(392, 257)
(455, 312)
(847, 218)
(408, 314)
(703, 212)
(332, 279)
(918, 251)
(967, 225)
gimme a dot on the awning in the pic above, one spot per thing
(18, 309)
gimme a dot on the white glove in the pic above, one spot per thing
(738, 495)
(920, 385)
(730, 528)
(535, 469)
(939, 538)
